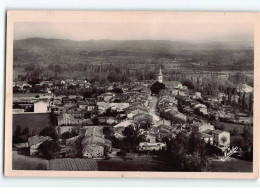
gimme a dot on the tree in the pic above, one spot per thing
(114, 77)
(188, 152)
(251, 101)
(17, 135)
(144, 121)
(132, 139)
(88, 93)
(188, 84)
(21, 136)
(248, 137)
(229, 95)
(49, 131)
(95, 120)
(117, 90)
(198, 84)
(53, 118)
(108, 133)
(244, 100)
(156, 87)
(68, 134)
(48, 149)
(151, 75)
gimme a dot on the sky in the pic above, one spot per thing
(134, 31)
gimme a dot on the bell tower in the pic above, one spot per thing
(160, 76)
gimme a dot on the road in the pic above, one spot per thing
(153, 108)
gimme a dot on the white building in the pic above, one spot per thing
(41, 107)
(221, 138)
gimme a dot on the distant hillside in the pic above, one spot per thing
(148, 46)
(96, 58)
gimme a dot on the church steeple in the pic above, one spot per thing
(160, 76)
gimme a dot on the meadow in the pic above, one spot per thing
(34, 121)
(23, 162)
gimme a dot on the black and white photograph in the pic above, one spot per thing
(140, 92)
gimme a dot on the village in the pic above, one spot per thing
(95, 121)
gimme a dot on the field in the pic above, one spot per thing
(73, 164)
(231, 126)
(34, 121)
(232, 165)
(140, 163)
(23, 162)
(134, 163)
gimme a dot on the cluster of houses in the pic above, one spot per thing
(174, 112)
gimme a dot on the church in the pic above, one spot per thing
(160, 76)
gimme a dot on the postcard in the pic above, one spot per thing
(132, 94)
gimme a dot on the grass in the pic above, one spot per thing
(139, 163)
(23, 162)
(232, 165)
(35, 121)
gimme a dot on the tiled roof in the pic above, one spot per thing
(37, 139)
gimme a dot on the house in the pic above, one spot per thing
(221, 138)
(63, 129)
(94, 144)
(162, 131)
(131, 111)
(102, 107)
(91, 106)
(202, 110)
(207, 138)
(178, 92)
(66, 119)
(73, 140)
(34, 143)
(163, 122)
(83, 105)
(143, 118)
(118, 106)
(146, 146)
(179, 118)
(22, 84)
(173, 85)
(200, 105)
(196, 96)
(149, 137)
(202, 127)
(41, 107)
(111, 121)
(106, 97)
(244, 88)
(120, 127)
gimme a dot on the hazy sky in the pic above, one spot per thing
(134, 31)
